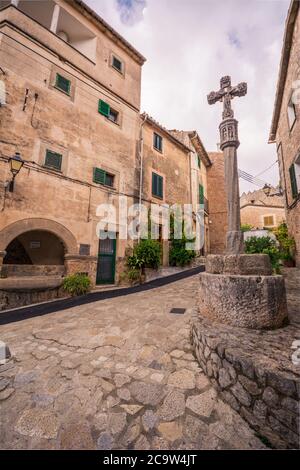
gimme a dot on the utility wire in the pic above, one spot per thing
(269, 167)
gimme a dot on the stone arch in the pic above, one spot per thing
(12, 231)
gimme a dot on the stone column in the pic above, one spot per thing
(54, 20)
(229, 145)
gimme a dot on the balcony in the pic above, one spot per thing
(60, 22)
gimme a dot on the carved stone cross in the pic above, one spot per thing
(229, 143)
(226, 94)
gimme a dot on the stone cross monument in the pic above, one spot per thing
(238, 289)
(229, 144)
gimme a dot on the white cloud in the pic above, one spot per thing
(189, 46)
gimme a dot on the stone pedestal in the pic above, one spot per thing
(240, 290)
(82, 264)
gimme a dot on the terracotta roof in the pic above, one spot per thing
(285, 57)
(110, 31)
(169, 134)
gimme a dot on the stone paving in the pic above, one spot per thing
(114, 374)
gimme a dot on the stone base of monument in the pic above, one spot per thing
(254, 374)
(238, 338)
(240, 290)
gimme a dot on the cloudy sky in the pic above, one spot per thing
(189, 46)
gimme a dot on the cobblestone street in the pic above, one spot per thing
(115, 374)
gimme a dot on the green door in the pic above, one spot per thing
(106, 261)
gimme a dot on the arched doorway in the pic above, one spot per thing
(35, 247)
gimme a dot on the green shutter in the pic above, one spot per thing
(199, 162)
(63, 83)
(201, 194)
(99, 176)
(53, 160)
(157, 185)
(104, 108)
(294, 185)
(153, 184)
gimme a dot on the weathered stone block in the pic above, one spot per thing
(241, 395)
(244, 264)
(257, 302)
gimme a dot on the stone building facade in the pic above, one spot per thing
(72, 112)
(261, 211)
(285, 128)
(70, 106)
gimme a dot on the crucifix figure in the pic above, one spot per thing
(229, 143)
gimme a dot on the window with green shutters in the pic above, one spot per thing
(63, 84)
(293, 179)
(53, 160)
(199, 162)
(201, 194)
(157, 186)
(102, 177)
(104, 108)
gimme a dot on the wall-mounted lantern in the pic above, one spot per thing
(267, 190)
(16, 164)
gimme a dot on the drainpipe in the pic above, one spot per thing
(141, 155)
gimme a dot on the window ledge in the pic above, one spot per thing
(55, 170)
(62, 91)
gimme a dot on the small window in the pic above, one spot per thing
(269, 221)
(157, 142)
(102, 177)
(291, 113)
(201, 194)
(157, 186)
(113, 116)
(117, 64)
(53, 160)
(63, 84)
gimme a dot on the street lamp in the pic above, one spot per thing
(16, 164)
(267, 190)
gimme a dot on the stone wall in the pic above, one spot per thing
(254, 215)
(217, 203)
(15, 298)
(20, 270)
(254, 374)
(288, 140)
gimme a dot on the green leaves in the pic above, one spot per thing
(77, 284)
(146, 254)
(266, 246)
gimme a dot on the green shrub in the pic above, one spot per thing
(266, 246)
(179, 255)
(286, 243)
(77, 284)
(146, 254)
(246, 227)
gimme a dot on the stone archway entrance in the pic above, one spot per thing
(33, 253)
(35, 247)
